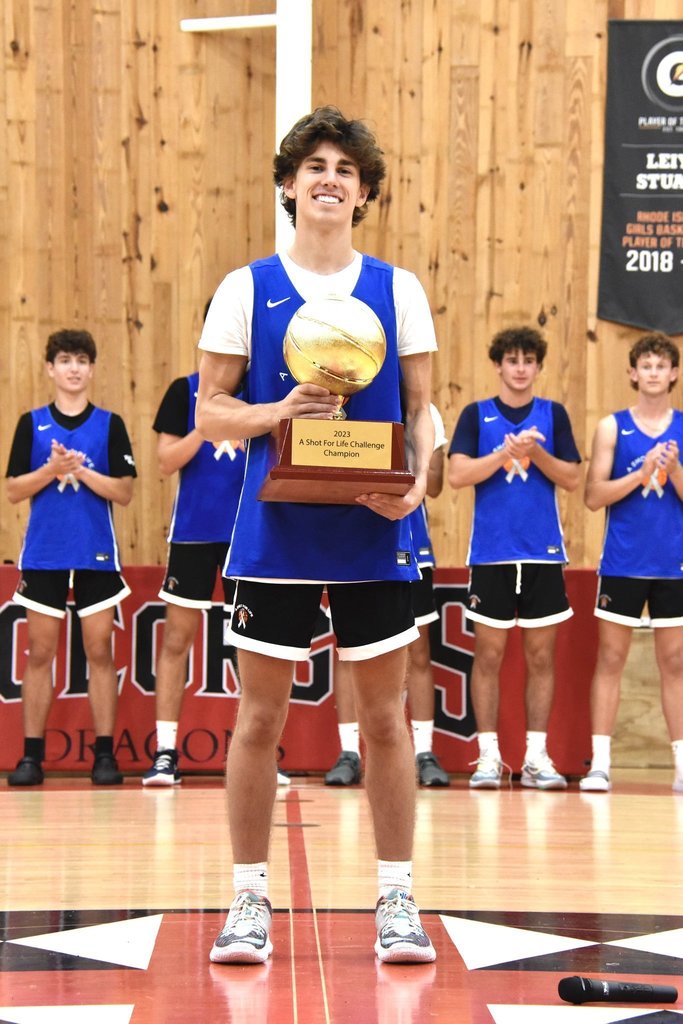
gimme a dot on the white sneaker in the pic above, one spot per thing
(283, 780)
(487, 774)
(244, 937)
(542, 774)
(678, 783)
(400, 936)
(596, 781)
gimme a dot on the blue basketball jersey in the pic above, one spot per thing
(422, 542)
(208, 489)
(643, 531)
(70, 528)
(516, 518)
(328, 543)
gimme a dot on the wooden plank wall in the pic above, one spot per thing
(135, 166)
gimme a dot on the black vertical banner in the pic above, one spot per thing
(641, 249)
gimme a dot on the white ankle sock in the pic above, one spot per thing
(422, 736)
(349, 737)
(488, 745)
(251, 876)
(677, 747)
(601, 748)
(167, 735)
(394, 874)
(535, 745)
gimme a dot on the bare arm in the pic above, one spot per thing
(25, 486)
(600, 489)
(62, 461)
(435, 474)
(174, 452)
(465, 471)
(112, 488)
(219, 414)
(65, 462)
(563, 474)
(419, 436)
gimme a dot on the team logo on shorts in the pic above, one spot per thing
(171, 583)
(604, 601)
(243, 614)
(21, 586)
(473, 600)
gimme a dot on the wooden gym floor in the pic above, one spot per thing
(111, 900)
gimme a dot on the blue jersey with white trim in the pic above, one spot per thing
(643, 531)
(328, 543)
(516, 518)
(422, 542)
(70, 527)
(208, 489)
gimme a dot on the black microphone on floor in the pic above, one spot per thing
(592, 990)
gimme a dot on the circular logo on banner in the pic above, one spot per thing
(662, 74)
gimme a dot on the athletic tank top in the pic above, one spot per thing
(644, 531)
(208, 489)
(69, 528)
(328, 543)
(516, 518)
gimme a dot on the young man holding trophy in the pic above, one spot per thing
(292, 540)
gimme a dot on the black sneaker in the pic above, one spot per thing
(346, 772)
(28, 772)
(164, 770)
(105, 771)
(430, 772)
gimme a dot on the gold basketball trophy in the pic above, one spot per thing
(339, 344)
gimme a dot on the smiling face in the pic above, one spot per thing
(71, 372)
(326, 187)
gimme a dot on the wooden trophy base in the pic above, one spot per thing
(332, 462)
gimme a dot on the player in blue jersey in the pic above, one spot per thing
(515, 450)
(209, 483)
(420, 679)
(635, 475)
(72, 460)
(282, 554)
(203, 515)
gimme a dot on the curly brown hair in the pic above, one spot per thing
(70, 340)
(514, 339)
(354, 138)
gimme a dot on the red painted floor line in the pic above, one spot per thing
(308, 976)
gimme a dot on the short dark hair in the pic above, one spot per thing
(69, 340)
(514, 339)
(657, 344)
(354, 138)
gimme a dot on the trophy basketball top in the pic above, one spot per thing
(336, 342)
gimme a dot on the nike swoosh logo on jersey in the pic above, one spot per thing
(629, 431)
(490, 419)
(271, 305)
(44, 426)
